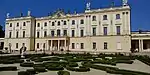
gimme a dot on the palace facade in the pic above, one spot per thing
(103, 30)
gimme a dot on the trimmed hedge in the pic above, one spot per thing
(53, 68)
(27, 64)
(109, 62)
(31, 71)
(40, 69)
(8, 68)
(23, 73)
(80, 69)
(124, 61)
(73, 64)
(63, 73)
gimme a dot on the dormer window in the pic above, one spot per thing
(94, 18)
(58, 23)
(117, 16)
(81, 21)
(105, 17)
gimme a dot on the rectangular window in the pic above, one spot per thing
(105, 45)
(73, 33)
(38, 45)
(94, 31)
(44, 45)
(17, 33)
(38, 34)
(65, 32)
(45, 33)
(94, 45)
(52, 33)
(16, 45)
(82, 45)
(53, 23)
(38, 25)
(105, 30)
(9, 34)
(117, 16)
(73, 45)
(17, 24)
(23, 34)
(105, 17)
(82, 33)
(82, 21)
(118, 46)
(118, 30)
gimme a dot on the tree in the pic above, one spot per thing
(1, 32)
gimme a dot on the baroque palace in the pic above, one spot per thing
(102, 30)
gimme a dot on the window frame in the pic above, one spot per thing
(45, 24)
(24, 23)
(82, 21)
(24, 34)
(73, 45)
(105, 45)
(17, 46)
(73, 22)
(94, 45)
(81, 33)
(118, 16)
(82, 45)
(118, 30)
(105, 17)
(38, 24)
(93, 18)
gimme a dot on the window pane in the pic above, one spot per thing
(105, 17)
(94, 31)
(16, 45)
(73, 33)
(45, 24)
(65, 32)
(38, 25)
(82, 45)
(23, 34)
(58, 23)
(58, 32)
(52, 33)
(45, 33)
(53, 23)
(117, 16)
(73, 22)
(24, 23)
(105, 30)
(17, 34)
(38, 34)
(105, 45)
(94, 18)
(65, 23)
(82, 21)
(37, 45)
(82, 33)
(94, 45)
(118, 30)
(73, 46)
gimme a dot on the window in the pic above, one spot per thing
(58, 32)
(45, 33)
(94, 18)
(126, 12)
(10, 25)
(94, 45)
(73, 45)
(17, 24)
(82, 21)
(65, 23)
(94, 31)
(9, 34)
(105, 17)
(45, 24)
(82, 33)
(24, 23)
(38, 25)
(17, 34)
(38, 34)
(82, 45)
(38, 45)
(105, 45)
(117, 16)
(16, 45)
(105, 30)
(73, 33)
(52, 33)
(118, 30)
(23, 34)
(65, 32)
(44, 45)
(73, 22)
(58, 23)
(53, 23)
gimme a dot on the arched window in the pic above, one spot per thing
(24, 23)
(117, 16)
(53, 23)
(58, 23)
(17, 33)
(94, 18)
(105, 17)
(52, 33)
(45, 24)
(81, 21)
(17, 24)
(73, 22)
(65, 23)
(23, 34)
(38, 25)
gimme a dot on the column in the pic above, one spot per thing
(142, 45)
(47, 44)
(51, 48)
(139, 45)
(58, 45)
(65, 45)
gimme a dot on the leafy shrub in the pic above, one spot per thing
(109, 62)
(72, 64)
(55, 68)
(124, 61)
(40, 69)
(63, 73)
(80, 69)
(27, 64)
(8, 68)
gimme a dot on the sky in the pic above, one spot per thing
(140, 9)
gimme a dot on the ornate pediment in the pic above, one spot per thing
(58, 14)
